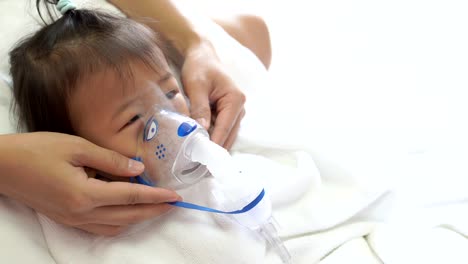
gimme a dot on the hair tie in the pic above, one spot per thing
(63, 6)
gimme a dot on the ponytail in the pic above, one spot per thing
(64, 7)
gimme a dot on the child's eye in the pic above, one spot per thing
(133, 120)
(172, 94)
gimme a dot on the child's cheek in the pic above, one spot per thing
(180, 105)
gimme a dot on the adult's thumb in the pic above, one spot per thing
(200, 108)
(108, 161)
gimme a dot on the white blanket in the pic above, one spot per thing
(368, 204)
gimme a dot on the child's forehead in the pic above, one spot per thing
(123, 80)
(109, 90)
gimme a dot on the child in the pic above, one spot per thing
(92, 74)
(96, 76)
(47, 69)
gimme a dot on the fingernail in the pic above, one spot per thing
(177, 199)
(135, 166)
(203, 122)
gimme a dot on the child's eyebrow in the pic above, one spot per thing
(125, 105)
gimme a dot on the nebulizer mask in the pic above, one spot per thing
(177, 152)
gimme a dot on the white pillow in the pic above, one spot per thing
(6, 123)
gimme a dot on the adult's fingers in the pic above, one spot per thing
(233, 135)
(229, 109)
(108, 161)
(199, 104)
(123, 193)
(127, 214)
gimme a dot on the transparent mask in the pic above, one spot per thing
(177, 152)
(163, 147)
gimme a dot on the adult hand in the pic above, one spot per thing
(206, 83)
(214, 97)
(46, 171)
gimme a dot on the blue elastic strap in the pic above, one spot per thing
(248, 207)
(141, 180)
(207, 209)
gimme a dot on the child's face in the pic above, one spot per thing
(107, 111)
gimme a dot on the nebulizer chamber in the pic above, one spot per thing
(177, 152)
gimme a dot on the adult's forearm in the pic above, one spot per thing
(8, 162)
(3, 161)
(165, 17)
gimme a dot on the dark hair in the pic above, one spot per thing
(47, 66)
